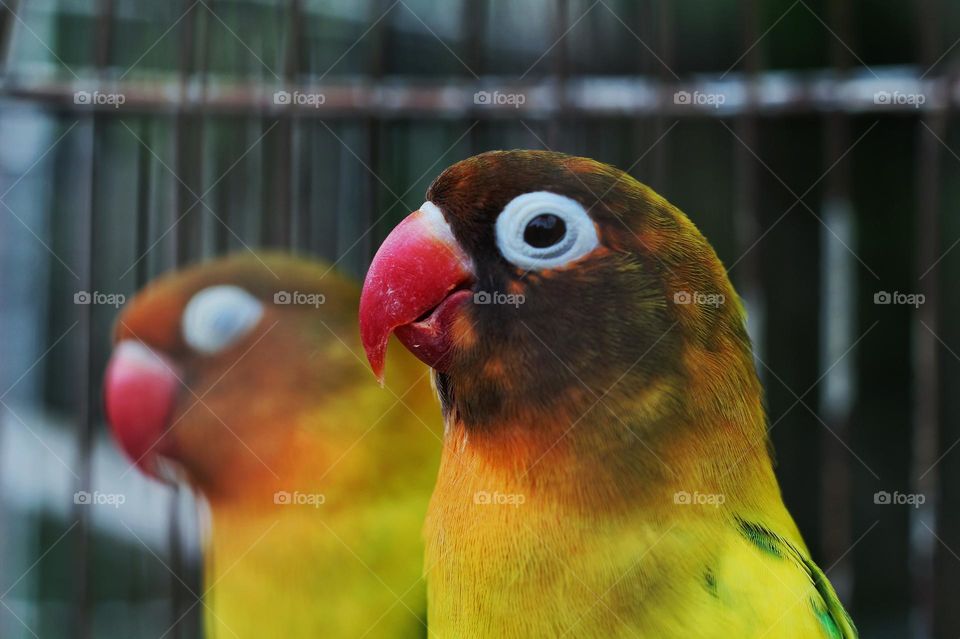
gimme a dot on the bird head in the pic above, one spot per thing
(535, 281)
(212, 366)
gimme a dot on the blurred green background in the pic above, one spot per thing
(136, 135)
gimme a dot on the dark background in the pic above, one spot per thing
(816, 193)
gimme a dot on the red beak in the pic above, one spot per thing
(415, 287)
(140, 390)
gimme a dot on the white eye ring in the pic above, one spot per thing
(580, 238)
(218, 316)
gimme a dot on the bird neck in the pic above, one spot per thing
(310, 572)
(701, 430)
(336, 520)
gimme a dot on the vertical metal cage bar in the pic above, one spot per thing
(837, 283)
(87, 358)
(7, 20)
(287, 171)
(85, 402)
(561, 69)
(946, 570)
(746, 214)
(931, 128)
(665, 46)
(373, 126)
(746, 217)
(187, 136)
(281, 177)
(474, 24)
(187, 240)
(222, 200)
(642, 127)
(141, 271)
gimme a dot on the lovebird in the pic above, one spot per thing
(605, 469)
(245, 378)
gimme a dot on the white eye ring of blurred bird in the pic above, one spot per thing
(219, 316)
(543, 230)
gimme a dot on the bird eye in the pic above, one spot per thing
(218, 316)
(542, 230)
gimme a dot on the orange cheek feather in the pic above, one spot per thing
(494, 368)
(463, 331)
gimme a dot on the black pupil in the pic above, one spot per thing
(544, 230)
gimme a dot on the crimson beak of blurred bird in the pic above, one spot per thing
(140, 393)
(422, 259)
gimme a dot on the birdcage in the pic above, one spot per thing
(810, 142)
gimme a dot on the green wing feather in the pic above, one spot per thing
(835, 621)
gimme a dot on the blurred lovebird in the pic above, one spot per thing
(246, 379)
(605, 470)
